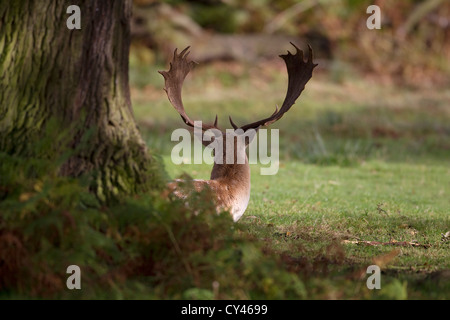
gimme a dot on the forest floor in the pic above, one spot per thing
(363, 179)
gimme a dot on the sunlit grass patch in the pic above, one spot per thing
(306, 208)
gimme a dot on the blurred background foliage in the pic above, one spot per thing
(412, 47)
(375, 94)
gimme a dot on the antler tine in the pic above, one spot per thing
(174, 78)
(299, 73)
(232, 123)
(185, 50)
(275, 112)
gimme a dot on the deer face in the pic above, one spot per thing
(228, 147)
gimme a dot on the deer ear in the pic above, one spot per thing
(208, 137)
(250, 134)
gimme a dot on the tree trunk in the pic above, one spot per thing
(79, 78)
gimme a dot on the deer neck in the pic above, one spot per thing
(234, 181)
(232, 174)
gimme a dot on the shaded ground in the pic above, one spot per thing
(361, 163)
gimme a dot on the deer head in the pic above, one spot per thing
(230, 176)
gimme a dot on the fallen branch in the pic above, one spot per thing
(390, 243)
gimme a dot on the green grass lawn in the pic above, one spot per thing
(363, 168)
(306, 208)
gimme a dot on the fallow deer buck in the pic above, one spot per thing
(230, 180)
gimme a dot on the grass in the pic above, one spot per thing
(306, 208)
(360, 162)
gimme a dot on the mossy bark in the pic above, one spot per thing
(79, 78)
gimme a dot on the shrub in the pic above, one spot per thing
(145, 246)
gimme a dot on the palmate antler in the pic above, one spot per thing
(299, 73)
(174, 78)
